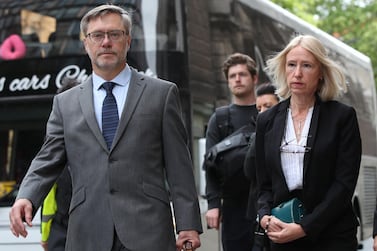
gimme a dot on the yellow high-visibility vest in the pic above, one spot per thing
(48, 212)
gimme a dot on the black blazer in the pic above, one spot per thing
(331, 167)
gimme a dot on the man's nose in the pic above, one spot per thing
(106, 39)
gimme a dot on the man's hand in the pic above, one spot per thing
(21, 211)
(213, 218)
(44, 245)
(188, 236)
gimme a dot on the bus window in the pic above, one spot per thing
(17, 149)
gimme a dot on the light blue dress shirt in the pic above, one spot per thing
(120, 91)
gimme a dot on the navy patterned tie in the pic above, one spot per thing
(110, 116)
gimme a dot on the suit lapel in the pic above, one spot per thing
(135, 90)
(312, 132)
(279, 130)
(86, 103)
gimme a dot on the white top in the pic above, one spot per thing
(293, 151)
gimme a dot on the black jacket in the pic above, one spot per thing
(331, 167)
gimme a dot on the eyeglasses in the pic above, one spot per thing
(288, 147)
(98, 36)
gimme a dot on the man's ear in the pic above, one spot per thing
(255, 79)
(84, 45)
(129, 43)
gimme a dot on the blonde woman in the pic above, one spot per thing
(308, 147)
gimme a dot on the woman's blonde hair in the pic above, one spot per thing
(331, 85)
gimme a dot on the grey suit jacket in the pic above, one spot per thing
(125, 188)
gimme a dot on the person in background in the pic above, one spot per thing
(228, 202)
(55, 207)
(265, 99)
(308, 147)
(122, 135)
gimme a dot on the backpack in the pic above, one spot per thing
(226, 158)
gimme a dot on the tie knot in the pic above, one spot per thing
(108, 86)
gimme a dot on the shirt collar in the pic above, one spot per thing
(122, 79)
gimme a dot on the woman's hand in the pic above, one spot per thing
(281, 232)
(213, 218)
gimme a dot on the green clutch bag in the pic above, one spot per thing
(291, 211)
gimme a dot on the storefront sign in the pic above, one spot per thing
(47, 78)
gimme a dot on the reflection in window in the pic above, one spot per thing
(39, 28)
(17, 149)
(7, 184)
(6, 138)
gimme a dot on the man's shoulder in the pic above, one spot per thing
(150, 79)
(222, 110)
(222, 115)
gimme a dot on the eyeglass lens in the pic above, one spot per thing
(99, 36)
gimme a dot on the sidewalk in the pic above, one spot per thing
(367, 245)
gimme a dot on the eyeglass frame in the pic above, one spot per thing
(288, 143)
(122, 33)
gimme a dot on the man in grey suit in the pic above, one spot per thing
(120, 198)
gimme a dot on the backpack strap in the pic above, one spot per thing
(223, 122)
